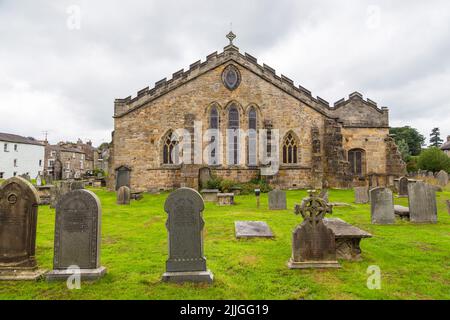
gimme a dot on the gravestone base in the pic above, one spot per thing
(313, 264)
(21, 274)
(85, 274)
(191, 276)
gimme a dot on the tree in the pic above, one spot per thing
(411, 136)
(403, 148)
(435, 138)
(434, 159)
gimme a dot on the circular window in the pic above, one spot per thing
(231, 77)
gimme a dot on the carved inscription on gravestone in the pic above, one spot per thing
(185, 224)
(77, 231)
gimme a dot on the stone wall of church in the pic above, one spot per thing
(138, 135)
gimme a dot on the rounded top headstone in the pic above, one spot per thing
(23, 183)
(183, 193)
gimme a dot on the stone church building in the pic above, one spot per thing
(314, 143)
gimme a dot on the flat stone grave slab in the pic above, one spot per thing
(347, 238)
(225, 199)
(209, 195)
(252, 229)
(401, 211)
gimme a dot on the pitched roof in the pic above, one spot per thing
(446, 146)
(14, 138)
(213, 60)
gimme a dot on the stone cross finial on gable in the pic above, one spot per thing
(231, 36)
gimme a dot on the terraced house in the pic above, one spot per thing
(247, 103)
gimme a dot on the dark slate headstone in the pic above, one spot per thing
(313, 243)
(252, 229)
(277, 200)
(77, 236)
(442, 178)
(123, 174)
(361, 195)
(18, 220)
(403, 187)
(422, 203)
(448, 206)
(123, 195)
(185, 224)
(382, 206)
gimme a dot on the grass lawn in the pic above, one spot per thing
(414, 259)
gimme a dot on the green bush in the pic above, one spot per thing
(412, 165)
(214, 183)
(227, 185)
(433, 159)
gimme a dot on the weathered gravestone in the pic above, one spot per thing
(185, 224)
(277, 200)
(361, 195)
(77, 237)
(403, 187)
(60, 189)
(313, 243)
(324, 195)
(382, 206)
(76, 185)
(123, 195)
(422, 203)
(39, 181)
(204, 175)
(123, 174)
(18, 220)
(252, 229)
(448, 206)
(442, 178)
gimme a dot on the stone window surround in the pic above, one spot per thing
(363, 161)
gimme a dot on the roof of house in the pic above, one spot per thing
(56, 147)
(14, 138)
(446, 146)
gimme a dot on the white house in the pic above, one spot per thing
(20, 155)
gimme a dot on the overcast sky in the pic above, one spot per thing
(61, 74)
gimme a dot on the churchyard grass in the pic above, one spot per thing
(414, 259)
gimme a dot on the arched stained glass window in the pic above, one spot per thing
(170, 149)
(252, 138)
(233, 135)
(290, 149)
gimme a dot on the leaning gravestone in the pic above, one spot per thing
(123, 195)
(361, 195)
(18, 220)
(277, 200)
(422, 203)
(185, 224)
(313, 243)
(77, 237)
(403, 187)
(382, 206)
(442, 178)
